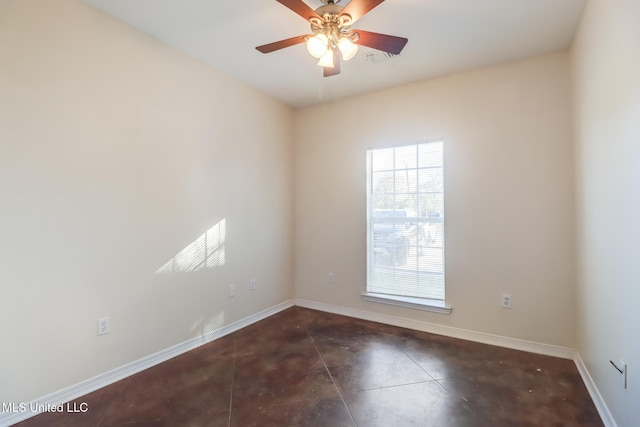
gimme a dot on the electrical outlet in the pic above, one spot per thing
(232, 290)
(103, 326)
(505, 301)
(252, 286)
(332, 278)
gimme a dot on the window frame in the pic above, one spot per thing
(403, 300)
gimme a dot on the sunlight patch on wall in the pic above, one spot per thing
(205, 327)
(206, 252)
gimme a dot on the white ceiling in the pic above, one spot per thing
(445, 36)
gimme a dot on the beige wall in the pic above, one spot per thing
(509, 195)
(116, 153)
(606, 75)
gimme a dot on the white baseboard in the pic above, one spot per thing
(601, 406)
(481, 337)
(75, 391)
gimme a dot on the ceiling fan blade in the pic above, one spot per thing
(386, 43)
(281, 44)
(299, 7)
(328, 71)
(358, 8)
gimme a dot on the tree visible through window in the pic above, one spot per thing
(405, 221)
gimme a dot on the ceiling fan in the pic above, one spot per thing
(332, 37)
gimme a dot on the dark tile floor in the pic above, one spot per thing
(308, 368)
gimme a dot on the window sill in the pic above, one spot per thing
(408, 302)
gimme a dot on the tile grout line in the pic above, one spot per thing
(106, 411)
(385, 387)
(233, 377)
(437, 381)
(331, 376)
(413, 360)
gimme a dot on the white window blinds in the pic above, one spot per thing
(405, 221)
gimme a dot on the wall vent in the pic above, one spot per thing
(378, 57)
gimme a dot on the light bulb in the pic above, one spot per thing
(327, 59)
(317, 45)
(348, 48)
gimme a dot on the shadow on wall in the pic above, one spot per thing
(206, 252)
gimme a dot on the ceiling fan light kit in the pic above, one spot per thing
(347, 48)
(317, 45)
(332, 37)
(327, 60)
(332, 31)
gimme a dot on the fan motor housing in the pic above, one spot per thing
(329, 8)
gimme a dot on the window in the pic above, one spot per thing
(405, 224)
